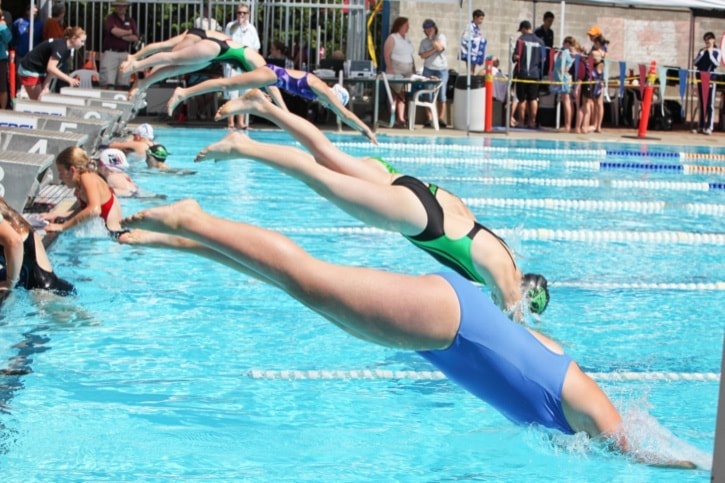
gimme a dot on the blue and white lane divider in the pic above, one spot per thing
(473, 150)
(383, 374)
(545, 234)
(544, 164)
(586, 183)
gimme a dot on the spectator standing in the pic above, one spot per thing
(54, 27)
(528, 70)
(6, 38)
(119, 34)
(398, 54)
(242, 32)
(21, 33)
(546, 34)
(707, 60)
(432, 51)
(562, 78)
(205, 22)
(473, 38)
(597, 54)
(41, 64)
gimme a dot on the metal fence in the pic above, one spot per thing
(314, 28)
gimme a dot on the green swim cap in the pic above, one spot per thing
(158, 152)
(535, 288)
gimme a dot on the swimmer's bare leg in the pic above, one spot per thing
(381, 205)
(394, 310)
(156, 239)
(325, 152)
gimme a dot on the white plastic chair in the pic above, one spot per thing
(416, 101)
(86, 77)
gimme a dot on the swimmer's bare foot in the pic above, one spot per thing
(154, 239)
(223, 149)
(253, 102)
(128, 66)
(163, 219)
(176, 98)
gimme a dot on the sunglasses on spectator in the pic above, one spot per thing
(242, 12)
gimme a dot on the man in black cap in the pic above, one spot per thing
(528, 56)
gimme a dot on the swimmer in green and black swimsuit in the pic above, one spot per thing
(191, 51)
(433, 219)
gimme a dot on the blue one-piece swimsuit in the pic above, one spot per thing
(501, 362)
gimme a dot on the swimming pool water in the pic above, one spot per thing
(167, 367)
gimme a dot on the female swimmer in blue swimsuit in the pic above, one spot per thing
(296, 82)
(443, 317)
(193, 50)
(371, 191)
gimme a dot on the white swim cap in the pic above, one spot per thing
(145, 131)
(341, 94)
(113, 159)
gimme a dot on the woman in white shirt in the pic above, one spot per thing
(398, 53)
(242, 32)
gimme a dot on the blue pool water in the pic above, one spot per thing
(167, 367)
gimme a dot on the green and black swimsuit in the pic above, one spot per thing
(455, 254)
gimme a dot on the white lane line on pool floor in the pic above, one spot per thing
(382, 374)
(545, 234)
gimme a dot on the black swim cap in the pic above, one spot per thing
(534, 286)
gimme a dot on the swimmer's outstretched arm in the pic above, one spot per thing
(393, 310)
(328, 98)
(587, 408)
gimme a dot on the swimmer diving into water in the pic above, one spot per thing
(371, 190)
(193, 50)
(296, 82)
(443, 317)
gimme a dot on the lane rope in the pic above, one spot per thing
(545, 234)
(597, 205)
(687, 286)
(588, 183)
